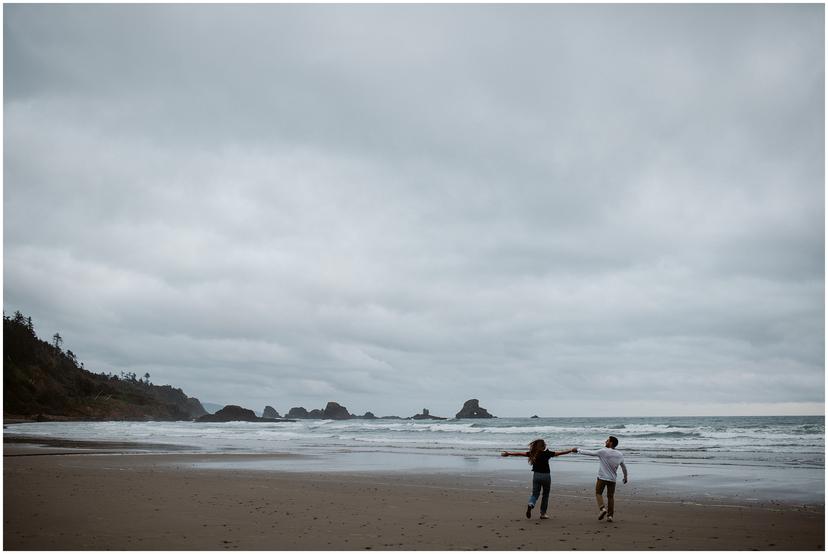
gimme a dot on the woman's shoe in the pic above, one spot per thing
(529, 511)
(544, 516)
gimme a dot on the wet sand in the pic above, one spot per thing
(97, 498)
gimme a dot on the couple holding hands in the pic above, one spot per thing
(609, 460)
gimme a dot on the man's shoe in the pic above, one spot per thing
(544, 516)
(602, 513)
(609, 519)
(529, 511)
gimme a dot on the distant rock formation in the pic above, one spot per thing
(332, 407)
(335, 411)
(229, 413)
(391, 417)
(299, 412)
(471, 409)
(369, 415)
(425, 415)
(534, 417)
(270, 413)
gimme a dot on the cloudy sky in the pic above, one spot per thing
(559, 210)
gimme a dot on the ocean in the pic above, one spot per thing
(775, 456)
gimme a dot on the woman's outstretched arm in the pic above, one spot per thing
(504, 453)
(562, 452)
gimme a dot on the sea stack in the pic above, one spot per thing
(471, 409)
(270, 413)
(299, 412)
(425, 415)
(335, 411)
(229, 413)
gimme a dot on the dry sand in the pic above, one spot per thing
(58, 498)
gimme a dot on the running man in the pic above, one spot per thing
(609, 459)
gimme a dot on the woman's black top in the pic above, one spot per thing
(541, 464)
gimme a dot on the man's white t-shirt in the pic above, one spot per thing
(609, 459)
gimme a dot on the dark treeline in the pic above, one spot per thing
(41, 379)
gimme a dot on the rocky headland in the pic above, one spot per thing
(42, 381)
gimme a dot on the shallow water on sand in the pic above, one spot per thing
(746, 457)
(697, 482)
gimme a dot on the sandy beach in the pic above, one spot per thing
(110, 498)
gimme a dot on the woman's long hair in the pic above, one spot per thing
(535, 447)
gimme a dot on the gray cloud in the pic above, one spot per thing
(399, 207)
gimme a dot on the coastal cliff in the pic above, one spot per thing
(42, 381)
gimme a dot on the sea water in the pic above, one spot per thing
(771, 456)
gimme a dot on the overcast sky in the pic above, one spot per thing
(560, 210)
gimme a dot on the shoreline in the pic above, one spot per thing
(702, 483)
(115, 499)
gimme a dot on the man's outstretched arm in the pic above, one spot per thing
(587, 452)
(624, 469)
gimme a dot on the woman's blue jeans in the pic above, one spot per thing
(540, 481)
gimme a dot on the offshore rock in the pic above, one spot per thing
(270, 413)
(316, 414)
(369, 415)
(299, 412)
(229, 413)
(471, 409)
(335, 411)
(426, 415)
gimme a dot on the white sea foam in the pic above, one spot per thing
(749, 441)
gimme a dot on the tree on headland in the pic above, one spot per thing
(21, 320)
(57, 340)
(129, 376)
